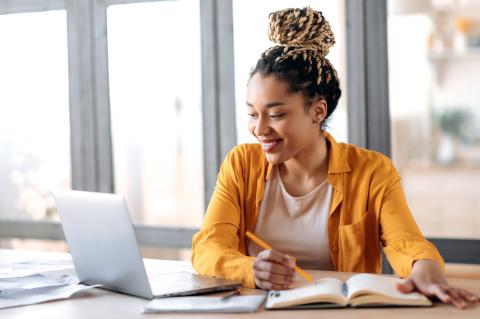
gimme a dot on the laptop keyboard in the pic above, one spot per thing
(185, 283)
(159, 284)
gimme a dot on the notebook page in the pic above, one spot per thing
(358, 284)
(323, 290)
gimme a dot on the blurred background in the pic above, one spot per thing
(133, 86)
(434, 81)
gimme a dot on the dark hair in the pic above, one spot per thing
(304, 37)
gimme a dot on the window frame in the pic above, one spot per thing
(90, 126)
(368, 102)
(91, 141)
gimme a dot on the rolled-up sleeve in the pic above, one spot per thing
(402, 240)
(215, 248)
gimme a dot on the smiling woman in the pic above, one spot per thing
(331, 205)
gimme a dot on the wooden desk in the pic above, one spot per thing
(99, 303)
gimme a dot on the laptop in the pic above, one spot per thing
(104, 249)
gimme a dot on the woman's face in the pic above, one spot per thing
(277, 118)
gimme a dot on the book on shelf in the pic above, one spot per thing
(362, 290)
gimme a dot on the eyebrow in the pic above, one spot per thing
(269, 105)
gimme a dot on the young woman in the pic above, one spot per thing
(330, 205)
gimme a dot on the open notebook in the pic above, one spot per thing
(362, 290)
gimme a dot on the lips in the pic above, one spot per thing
(269, 146)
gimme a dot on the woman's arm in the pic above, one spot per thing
(410, 254)
(215, 248)
(401, 238)
(427, 277)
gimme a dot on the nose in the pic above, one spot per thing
(262, 127)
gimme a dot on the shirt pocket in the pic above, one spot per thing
(359, 246)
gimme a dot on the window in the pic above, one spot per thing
(434, 64)
(163, 74)
(34, 115)
(155, 93)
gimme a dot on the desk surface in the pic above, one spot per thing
(99, 303)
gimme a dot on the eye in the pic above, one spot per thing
(252, 115)
(276, 116)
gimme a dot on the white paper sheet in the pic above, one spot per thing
(248, 303)
(37, 295)
(13, 284)
(29, 279)
(24, 268)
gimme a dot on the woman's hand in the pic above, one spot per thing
(274, 270)
(427, 278)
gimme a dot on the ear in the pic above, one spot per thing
(318, 110)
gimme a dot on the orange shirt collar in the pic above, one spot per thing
(337, 162)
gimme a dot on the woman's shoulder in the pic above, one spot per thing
(245, 161)
(246, 150)
(362, 159)
(246, 154)
(361, 154)
(369, 166)
(350, 155)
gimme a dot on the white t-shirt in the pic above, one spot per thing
(295, 225)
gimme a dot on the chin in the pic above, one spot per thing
(274, 159)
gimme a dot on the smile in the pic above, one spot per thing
(269, 146)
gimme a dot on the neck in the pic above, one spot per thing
(312, 163)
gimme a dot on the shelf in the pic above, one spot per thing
(455, 5)
(450, 54)
(439, 60)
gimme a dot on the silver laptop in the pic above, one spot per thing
(104, 249)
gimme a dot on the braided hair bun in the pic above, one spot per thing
(304, 29)
(301, 32)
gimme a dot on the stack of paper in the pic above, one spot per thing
(15, 284)
(22, 268)
(25, 284)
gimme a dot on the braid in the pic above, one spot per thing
(303, 38)
(302, 32)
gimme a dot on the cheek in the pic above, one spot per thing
(251, 127)
(288, 129)
(298, 132)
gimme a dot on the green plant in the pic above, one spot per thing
(454, 122)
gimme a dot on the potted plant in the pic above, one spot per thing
(454, 124)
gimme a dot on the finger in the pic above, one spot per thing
(468, 296)
(440, 292)
(271, 255)
(406, 287)
(274, 272)
(263, 284)
(265, 265)
(267, 285)
(276, 256)
(274, 269)
(457, 300)
(274, 278)
(290, 261)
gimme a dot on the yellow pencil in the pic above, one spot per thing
(264, 245)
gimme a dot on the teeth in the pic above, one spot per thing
(268, 146)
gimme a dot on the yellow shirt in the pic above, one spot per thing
(368, 210)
